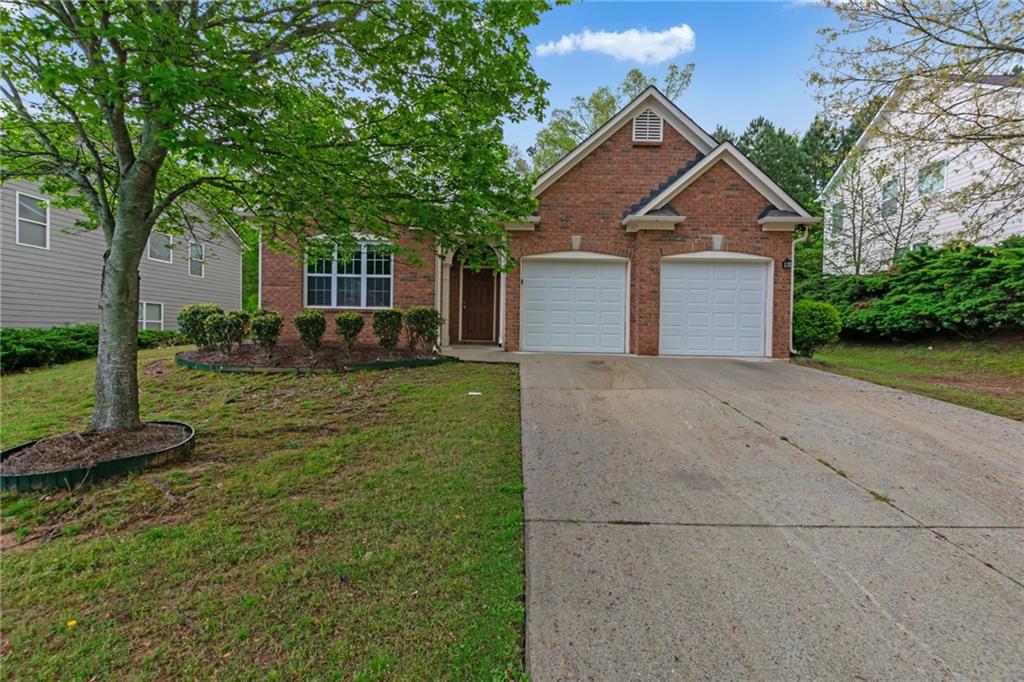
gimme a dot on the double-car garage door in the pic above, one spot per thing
(707, 307)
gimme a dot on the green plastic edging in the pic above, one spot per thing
(69, 478)
(382, 364)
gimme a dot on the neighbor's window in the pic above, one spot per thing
(361, 281)
(160, 247)
(931, 179)
(151, 315)
(196, 259)
(33, 222)
(837, 216)
(890, 198)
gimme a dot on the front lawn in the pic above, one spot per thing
(985, 375)
(354, 526)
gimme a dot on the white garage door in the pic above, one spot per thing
(574, 306)
(713, 308)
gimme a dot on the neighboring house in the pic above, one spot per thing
(650, 238)
(889, 196)
(50, 270)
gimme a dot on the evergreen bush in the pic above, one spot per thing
(311, 325)
(348, 324)
(387, 325)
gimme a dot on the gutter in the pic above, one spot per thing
(792, 276)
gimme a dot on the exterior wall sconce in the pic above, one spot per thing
(716, 242)
(787, 264)
(576, 239)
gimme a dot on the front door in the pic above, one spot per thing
(477, 305)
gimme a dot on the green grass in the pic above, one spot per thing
(984, 375)
(356, 526)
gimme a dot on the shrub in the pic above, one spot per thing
(423, 325)
(245, 318)
(192, 322)
(387, 325)
(311, 325)
(24, 348)
(223, 331)
(160, 338)
(349, 325)
(266, 328)
(815, 324)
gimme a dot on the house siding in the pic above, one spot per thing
(60, 286)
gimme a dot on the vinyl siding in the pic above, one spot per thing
(46, 288)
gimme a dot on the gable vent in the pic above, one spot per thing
(647, 127)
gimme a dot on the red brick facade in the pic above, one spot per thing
(590, 201)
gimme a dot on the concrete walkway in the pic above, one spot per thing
(718, 519)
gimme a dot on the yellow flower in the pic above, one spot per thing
(72, 623)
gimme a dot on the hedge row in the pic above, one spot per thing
(24, 348)
(961, 289)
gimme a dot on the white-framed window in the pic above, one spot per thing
(151, 315)
(931, 179)
(647, 127)
(363, 281)
(196, 259)
(836, 216)
(33, 221)
(890, 197)
(160, 247)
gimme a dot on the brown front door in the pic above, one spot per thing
(477, 305)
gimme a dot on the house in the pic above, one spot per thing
(899, 191)
(50, 270)
(650, 237)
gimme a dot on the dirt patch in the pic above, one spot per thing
(155, 368)
(292, 355)
(79, 450)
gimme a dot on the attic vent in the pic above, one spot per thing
(647, 127)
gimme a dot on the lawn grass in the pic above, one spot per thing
(985, 375)
(355, 526)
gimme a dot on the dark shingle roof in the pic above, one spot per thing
(772, 212)
(1016, 80)
(661, 188)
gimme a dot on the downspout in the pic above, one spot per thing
(792, 275)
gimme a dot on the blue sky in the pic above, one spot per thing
(751, 58)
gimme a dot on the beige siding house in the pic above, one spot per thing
(50, 269)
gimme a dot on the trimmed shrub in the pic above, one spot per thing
(311, 325)
(192, 322)
(160, 338)
(423, 325)
(387, 325)
(266, 328)
(244, 318)
(25, 348)
(348, 324)
(815, 324)
(223, 331)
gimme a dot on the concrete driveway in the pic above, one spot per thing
(719, 519)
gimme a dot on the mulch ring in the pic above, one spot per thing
(83, 450)
(292, 355)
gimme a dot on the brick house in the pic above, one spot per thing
(650, 238)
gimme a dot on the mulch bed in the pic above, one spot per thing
(292, 355)
(85, 449)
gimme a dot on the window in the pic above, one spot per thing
(196, 259)
(837, 217)
(362, 281)
(160, 247)
(931, 179)
(33, 221)
(647, 127)
(151, 315)
(890, 198)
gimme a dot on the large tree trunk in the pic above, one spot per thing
(117, 389)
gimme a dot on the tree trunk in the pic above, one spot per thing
(117, 388)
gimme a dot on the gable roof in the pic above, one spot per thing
(729, 154)
(651, 97)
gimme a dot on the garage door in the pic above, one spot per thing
(713, 308)
(574, 306)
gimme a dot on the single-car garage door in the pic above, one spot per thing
(574, 306)
(713, 308)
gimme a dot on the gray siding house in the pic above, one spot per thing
(50, 270)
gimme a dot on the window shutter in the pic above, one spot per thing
(647, 127)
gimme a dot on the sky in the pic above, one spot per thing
(751, 58)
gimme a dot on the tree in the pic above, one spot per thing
(568, 127)
(953, 66)
(331, 117)
(778, 153)
(723, 134)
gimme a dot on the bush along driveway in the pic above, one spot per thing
(366, 524)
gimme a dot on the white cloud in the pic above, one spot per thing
(637, 45)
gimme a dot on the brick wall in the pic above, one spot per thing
(590, 201)
(282, 285)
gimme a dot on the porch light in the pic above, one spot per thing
(787, 264)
